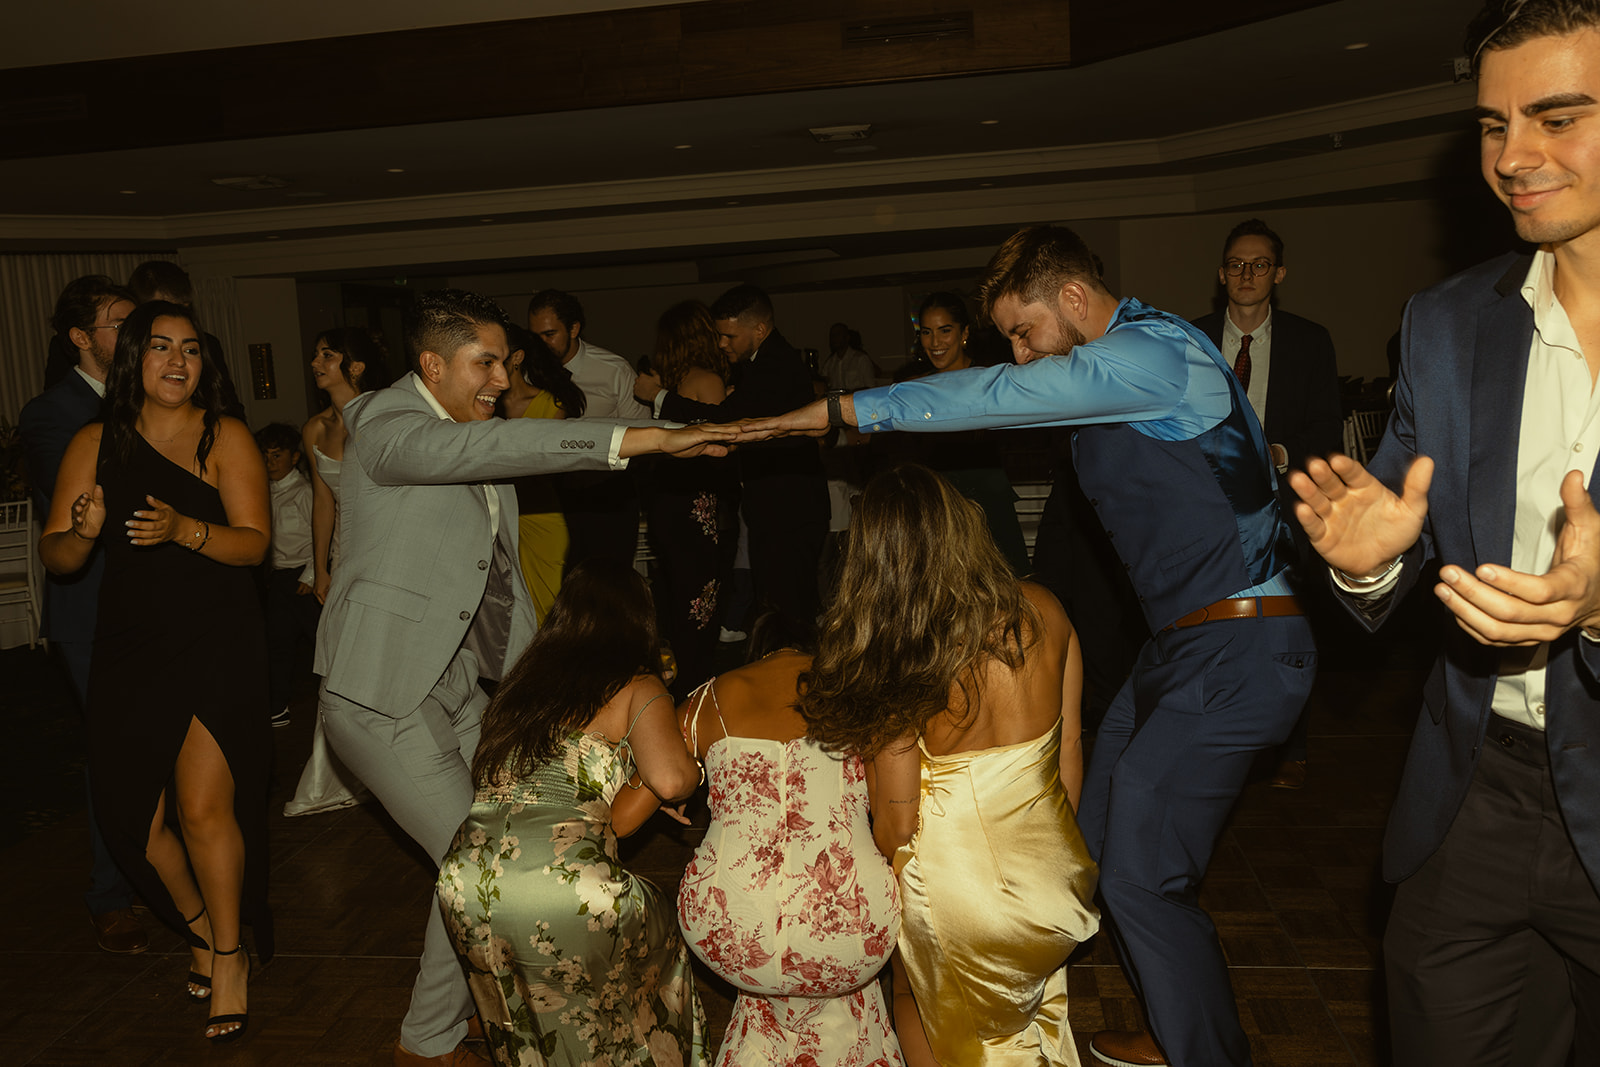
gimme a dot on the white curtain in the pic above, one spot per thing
(29, 286)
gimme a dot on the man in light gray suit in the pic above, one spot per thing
(428, 596)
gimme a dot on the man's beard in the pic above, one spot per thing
(1071, 336)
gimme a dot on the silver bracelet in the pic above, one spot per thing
(1374, 579)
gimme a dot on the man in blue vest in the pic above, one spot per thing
(1175, 465)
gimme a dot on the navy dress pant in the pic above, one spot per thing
(1169, 761)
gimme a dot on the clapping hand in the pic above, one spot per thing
(89, 513)
(1354, 521)
(1503, 607)
(158, 524)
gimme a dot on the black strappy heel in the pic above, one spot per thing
(242, 1018)
(195, 977)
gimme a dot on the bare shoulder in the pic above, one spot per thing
(703, 385)
(1051, 613)
(89, 436)
(316, 428)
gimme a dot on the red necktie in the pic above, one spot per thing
(1241, 364)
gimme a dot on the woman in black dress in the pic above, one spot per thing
(177, 494)
(689, 500)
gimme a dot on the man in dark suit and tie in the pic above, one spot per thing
(86, 318)
(1287, 367)
(1495, 832)
(784, 490)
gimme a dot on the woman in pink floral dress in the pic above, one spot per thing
(787, 897)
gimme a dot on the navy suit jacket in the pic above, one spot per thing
(1463, 366)
(1303, 413)
(47, 424)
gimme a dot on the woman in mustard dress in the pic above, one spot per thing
(540, 388)
(936, 654)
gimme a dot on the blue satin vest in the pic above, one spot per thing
(1193, 521)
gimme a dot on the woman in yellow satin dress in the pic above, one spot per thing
(540, 388)
(935, 652)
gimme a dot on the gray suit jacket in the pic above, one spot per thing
(415, 544)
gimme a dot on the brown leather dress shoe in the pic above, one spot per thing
(456, 1057)
(1127, 1048)
(120, 932)
(1291, 775)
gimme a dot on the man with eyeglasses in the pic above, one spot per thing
(86, 318)
(1287, 367)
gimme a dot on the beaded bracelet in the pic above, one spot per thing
(197, 542)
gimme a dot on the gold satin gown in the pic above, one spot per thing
(996, 890)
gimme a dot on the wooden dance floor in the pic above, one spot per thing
(1294, 890)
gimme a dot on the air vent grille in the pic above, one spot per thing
(915, 30)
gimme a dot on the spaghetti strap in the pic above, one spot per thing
(624, 748)
(699, 698)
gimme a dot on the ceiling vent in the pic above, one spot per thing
(836, 134)
(252, 181)
(919, 29)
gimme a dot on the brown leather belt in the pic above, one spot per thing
(1240, 607)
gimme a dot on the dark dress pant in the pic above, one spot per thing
(1468, 948)
(1169, 761)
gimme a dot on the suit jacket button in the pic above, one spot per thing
(465, 615)
(483, 564)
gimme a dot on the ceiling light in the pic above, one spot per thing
(397, 170)
(988, 122)
(1355, 46)
(272, 237)
(251, 181)
(681, 147)
(830, 134)
(128, 192)
(486, 220)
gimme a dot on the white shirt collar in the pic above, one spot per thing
(1232, 332)
(427, 394)
(98, 386)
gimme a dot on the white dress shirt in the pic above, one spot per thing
(1559, 432)
(607, 383)
(1260, 358)
(291, 525)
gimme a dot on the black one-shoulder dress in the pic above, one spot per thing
(179, 637)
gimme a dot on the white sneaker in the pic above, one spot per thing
(728, 637)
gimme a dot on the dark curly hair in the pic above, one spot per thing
(542, 368)
(925, 600)
(599, 636)
(125, 381)
(357, 344)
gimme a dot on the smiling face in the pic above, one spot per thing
(944, 341)
(1539, 115)
(170, 369)
(469, 381)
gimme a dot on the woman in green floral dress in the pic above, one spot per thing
(571, 959)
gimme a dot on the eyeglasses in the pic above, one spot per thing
(1257, 267)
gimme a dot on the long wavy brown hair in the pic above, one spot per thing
(686, 337)
(599, 636)
(925, 601)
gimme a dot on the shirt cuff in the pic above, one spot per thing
(1369, 591)
(655, 405)
(614, 455)
(309, 575)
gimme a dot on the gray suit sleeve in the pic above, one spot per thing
(402, 445)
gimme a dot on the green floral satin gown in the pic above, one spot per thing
(571, 959)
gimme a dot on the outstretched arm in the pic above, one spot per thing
(1500, 606)
(1354, 521)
